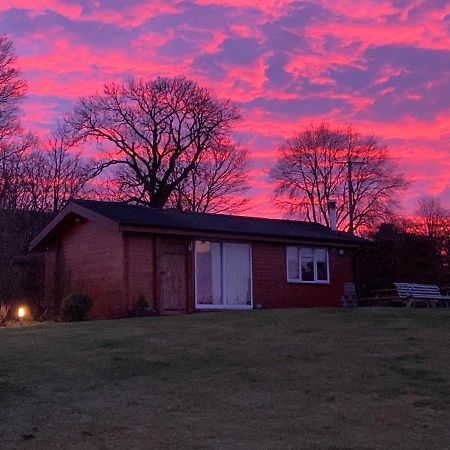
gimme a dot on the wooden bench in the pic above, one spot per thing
(414, 293)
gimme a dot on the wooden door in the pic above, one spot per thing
(172, 277)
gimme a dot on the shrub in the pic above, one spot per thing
(4, 309)
(141, 302)
(142, 308)
(75, 307)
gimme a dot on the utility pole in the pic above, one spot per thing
(350, 195)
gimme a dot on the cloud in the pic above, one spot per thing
(382, 66)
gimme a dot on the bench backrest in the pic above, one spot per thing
(417, 290)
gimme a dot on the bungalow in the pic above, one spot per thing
(184, 262)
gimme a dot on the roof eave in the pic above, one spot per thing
(241, 236)
(71, 208)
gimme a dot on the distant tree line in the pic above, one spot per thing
(416, 249)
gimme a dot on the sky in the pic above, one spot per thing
(381, 66)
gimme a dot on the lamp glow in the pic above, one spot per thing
(21, 312)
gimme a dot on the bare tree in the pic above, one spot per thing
(217, 183)
(156, 132)
(12, 175)
(322, 163)
(66, 172)
(432, 219)
(12, 90)
(43, 175)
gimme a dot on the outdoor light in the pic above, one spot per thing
(21, 313)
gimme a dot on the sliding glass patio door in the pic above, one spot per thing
(236, 274)
(223, 275)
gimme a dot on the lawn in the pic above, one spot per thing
(309, 379)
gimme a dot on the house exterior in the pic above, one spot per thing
(184, 262)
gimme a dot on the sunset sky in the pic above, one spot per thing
(382, 66)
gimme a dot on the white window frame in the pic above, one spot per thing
(299, 280)
(222, 288)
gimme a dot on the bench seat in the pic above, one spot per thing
(428, 293)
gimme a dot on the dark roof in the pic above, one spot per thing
(143, 216)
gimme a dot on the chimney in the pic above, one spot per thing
(332, 214)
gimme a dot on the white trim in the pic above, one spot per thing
(206, 306)
(223, 306)
(299, 280)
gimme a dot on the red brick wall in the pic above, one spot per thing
(140, 268)
(271, 289)
(115, 269)
(51, 280)
(92, 262)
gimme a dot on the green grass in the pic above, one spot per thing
(310, 379)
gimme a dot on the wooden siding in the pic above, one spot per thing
(271, 289)
(142, 270)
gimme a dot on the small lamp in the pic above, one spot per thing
(21, 313)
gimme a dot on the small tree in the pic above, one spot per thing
(12, 91)
(322, 163)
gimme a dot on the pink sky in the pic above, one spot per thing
(382, 66)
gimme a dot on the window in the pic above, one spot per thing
(222, 275)
(307, 265)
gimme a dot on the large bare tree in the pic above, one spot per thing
(217, 183)
(155, 133)
(321, 163)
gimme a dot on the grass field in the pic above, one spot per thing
(309, 379)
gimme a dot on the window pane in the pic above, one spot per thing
(307, 268)
(322, 266)
(305, 251)
(208, 273)
(292, 263)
